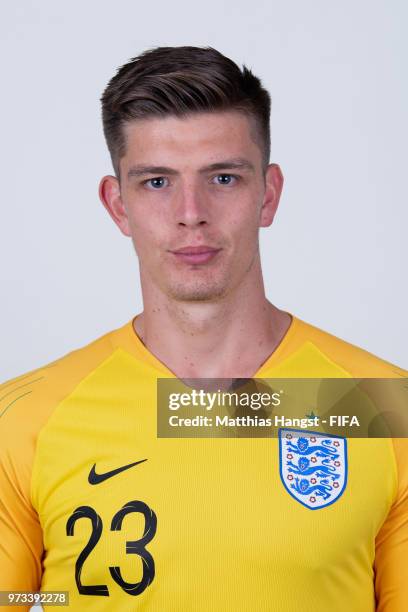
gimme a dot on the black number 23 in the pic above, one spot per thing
(135, 547)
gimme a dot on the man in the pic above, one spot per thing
(95, 503)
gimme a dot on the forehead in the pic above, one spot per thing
(195, 138)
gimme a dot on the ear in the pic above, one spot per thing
(109, 194)
(273, 190)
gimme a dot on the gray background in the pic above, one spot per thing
(336, 255)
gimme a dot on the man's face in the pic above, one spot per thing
(192, 197)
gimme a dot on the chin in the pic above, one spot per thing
(197, 293)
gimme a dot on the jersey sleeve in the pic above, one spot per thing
(391, 546)
(21, 545)
(27, 402)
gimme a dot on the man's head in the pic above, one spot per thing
(179, 81)
(188, 133)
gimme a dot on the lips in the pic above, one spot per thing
(196, 254)
(192, 250)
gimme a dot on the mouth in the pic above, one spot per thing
(195, 254)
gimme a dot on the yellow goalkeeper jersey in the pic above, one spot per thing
(93, 502)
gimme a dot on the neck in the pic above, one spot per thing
(227, 338)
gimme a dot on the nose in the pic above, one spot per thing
(191, 206)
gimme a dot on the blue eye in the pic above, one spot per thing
(225, 179)
(156, 183)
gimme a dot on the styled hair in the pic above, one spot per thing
(179, 81)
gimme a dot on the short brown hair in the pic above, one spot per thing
(179, 81)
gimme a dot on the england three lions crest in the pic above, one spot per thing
(313, 466)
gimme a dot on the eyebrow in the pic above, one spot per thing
(236, 163)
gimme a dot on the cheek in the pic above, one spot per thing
(150, 240)
(246, 239)
(244, 223)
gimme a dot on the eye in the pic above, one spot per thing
(156, 183)
(225, 179)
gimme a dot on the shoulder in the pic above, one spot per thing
(27, 400)
(26, 404)
(352, 359)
